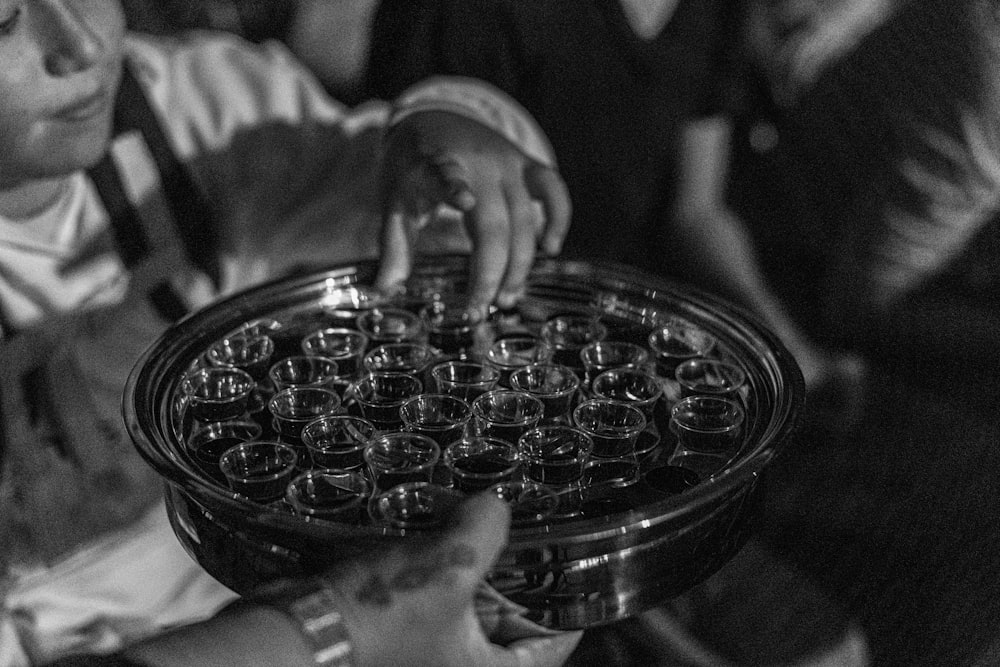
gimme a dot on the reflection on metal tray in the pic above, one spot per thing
(638, 547)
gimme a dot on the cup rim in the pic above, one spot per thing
(708, 389)
(346, 331)
(300, 508)
(536, 404)
(452, 363)
(567, 373)
(247, 382)
(275, 444)
(331, 374)
(729, 402)
(523, 443)
(651, 379)
(448, 456)
(310, 444)
(331, 395)
(430, 446)
(448, 398)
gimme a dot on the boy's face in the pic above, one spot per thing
(60, 62)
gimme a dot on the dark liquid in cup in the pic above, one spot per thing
(479, 464)
(260, 486)
(209, 452)
(387, 479)
(218, 412)
(558, 471)
(452, 341)
(715, 442)
(417, 518)
(442, 432)
(612, 447)
(569, 356)
(507, 432)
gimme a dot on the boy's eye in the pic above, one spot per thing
(9, 21)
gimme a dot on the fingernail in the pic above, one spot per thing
(461, 198)
(475, 313)
(509, 299)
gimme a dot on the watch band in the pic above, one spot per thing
(313, 607)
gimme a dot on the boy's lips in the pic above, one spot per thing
(85, 107)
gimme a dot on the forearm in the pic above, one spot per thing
(243, 635)
(715, 251)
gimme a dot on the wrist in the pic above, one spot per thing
(312, 605)
(481, 102)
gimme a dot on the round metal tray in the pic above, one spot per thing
(571, 574)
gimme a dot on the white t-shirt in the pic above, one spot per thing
(292, 174)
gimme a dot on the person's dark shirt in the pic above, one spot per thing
(611, 103)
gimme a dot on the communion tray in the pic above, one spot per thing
(649, 542)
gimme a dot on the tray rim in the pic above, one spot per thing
(701, 499)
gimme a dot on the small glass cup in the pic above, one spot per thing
(330, 494)
(529, 502)
(707, 424)
(345, 346)
(678, 341)
(208, 441)
(412, 358)
(604, 355)
(478, 463)
(441, 417)
(414, 506)
(554, 385)
(390, 325)
(506, 414)
(398, 458)
(295, 407)
(259, 470)
(381, 395)
(613, 426)
(555, 455)
(567, 335)
(249, 351)
(466, 380)
(636, 387)
(338, 441)
(509, 354)
(450, 327)
(304, 371)
(217, 393)
(710, 376)
(629, 385)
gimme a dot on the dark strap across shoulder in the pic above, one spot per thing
(68, 471)
(188, 205)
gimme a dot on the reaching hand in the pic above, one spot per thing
(451, 177)
(424, 603)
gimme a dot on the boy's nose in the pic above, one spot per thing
(73, 44)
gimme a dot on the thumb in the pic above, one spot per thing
(546, 650)
(482, 522)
